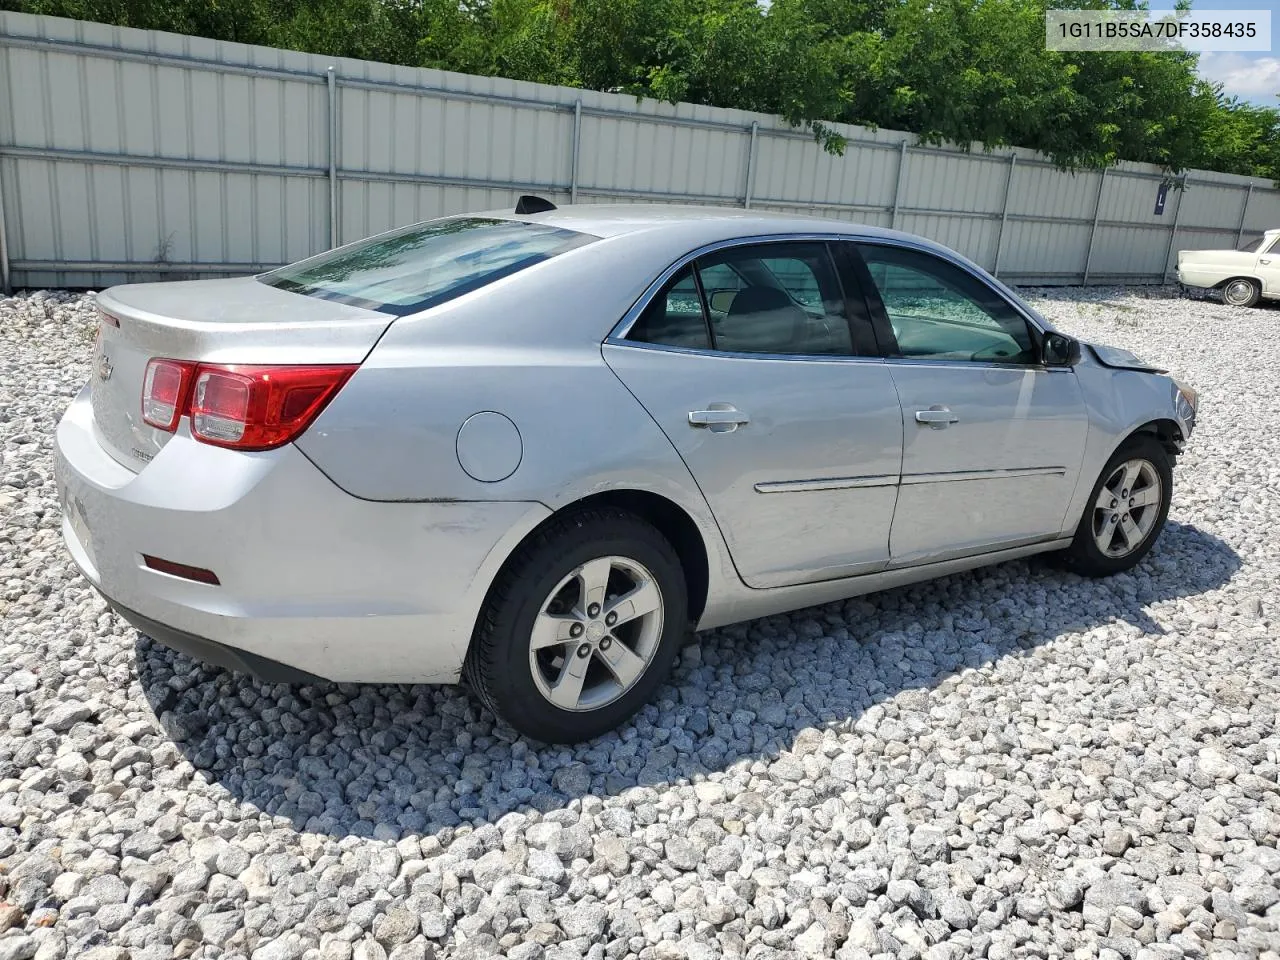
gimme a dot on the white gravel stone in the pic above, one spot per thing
(1012, 762)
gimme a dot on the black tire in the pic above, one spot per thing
(498, 666)
(1084, 556)
(1232, 298)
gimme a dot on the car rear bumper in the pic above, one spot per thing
(313, 582)
(210, 651)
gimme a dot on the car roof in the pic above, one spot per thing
(618, 219)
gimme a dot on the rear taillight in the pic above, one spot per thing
(244, 407)
(256, 408)
(164, 392)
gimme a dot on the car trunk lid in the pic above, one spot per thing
(240, 321)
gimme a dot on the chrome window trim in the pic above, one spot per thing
(831, 483)
(618, 335)
(973, 364)
(737, 355)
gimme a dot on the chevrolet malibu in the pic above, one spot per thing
(534, 449)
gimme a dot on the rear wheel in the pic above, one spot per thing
(1126, 511)
(581, 627)
(1241, 292)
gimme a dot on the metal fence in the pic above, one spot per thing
(130, 154)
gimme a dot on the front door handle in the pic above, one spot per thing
(719, 418)
(938, 417)
(1264, 260)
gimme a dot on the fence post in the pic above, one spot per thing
(4, 240)
(4, 243)
(1173, 232)
(1093, 231)
(751, 163)
(332, 80)
(575, 148)
(1244, 212)
(1004, 214)
(897, 187)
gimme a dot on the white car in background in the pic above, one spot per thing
(1243, 276)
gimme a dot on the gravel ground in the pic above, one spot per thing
(1010, 763)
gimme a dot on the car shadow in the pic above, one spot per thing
(388, 761)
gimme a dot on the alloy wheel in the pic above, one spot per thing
(596, 633)
(1127, 508)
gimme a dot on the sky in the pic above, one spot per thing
(1250, 76)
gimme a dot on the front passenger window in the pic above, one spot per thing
(940, 312)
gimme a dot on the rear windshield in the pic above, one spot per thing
(420, 266)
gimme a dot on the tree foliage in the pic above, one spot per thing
(948, 70)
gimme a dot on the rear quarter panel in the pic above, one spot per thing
(1208, 268)
(528, 347)
(392, 433)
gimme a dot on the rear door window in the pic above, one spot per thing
(777, 298)
(423, 265)
(674, 317)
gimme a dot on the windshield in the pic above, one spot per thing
(420, 266)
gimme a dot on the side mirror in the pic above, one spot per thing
(1059, 350)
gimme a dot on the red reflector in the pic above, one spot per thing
(198, 574)
(107, 318)
(164, 392)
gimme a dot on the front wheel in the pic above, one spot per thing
(1126, 511)
(581, 626)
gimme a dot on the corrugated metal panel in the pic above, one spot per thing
(1047, 251)
(973, 183)
(130, 154)
(1211, 205)
(1042, 191)
(975, 238)
(1264, 212)
(1129, 252)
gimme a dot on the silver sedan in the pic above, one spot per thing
(534, 449)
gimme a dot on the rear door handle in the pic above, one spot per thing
(719, 418)
(938, 417)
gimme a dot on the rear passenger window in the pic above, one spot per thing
(674, 317)
(777, 298)
(797, 277)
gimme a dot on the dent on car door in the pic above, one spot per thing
(793, 437)
(992, 440)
